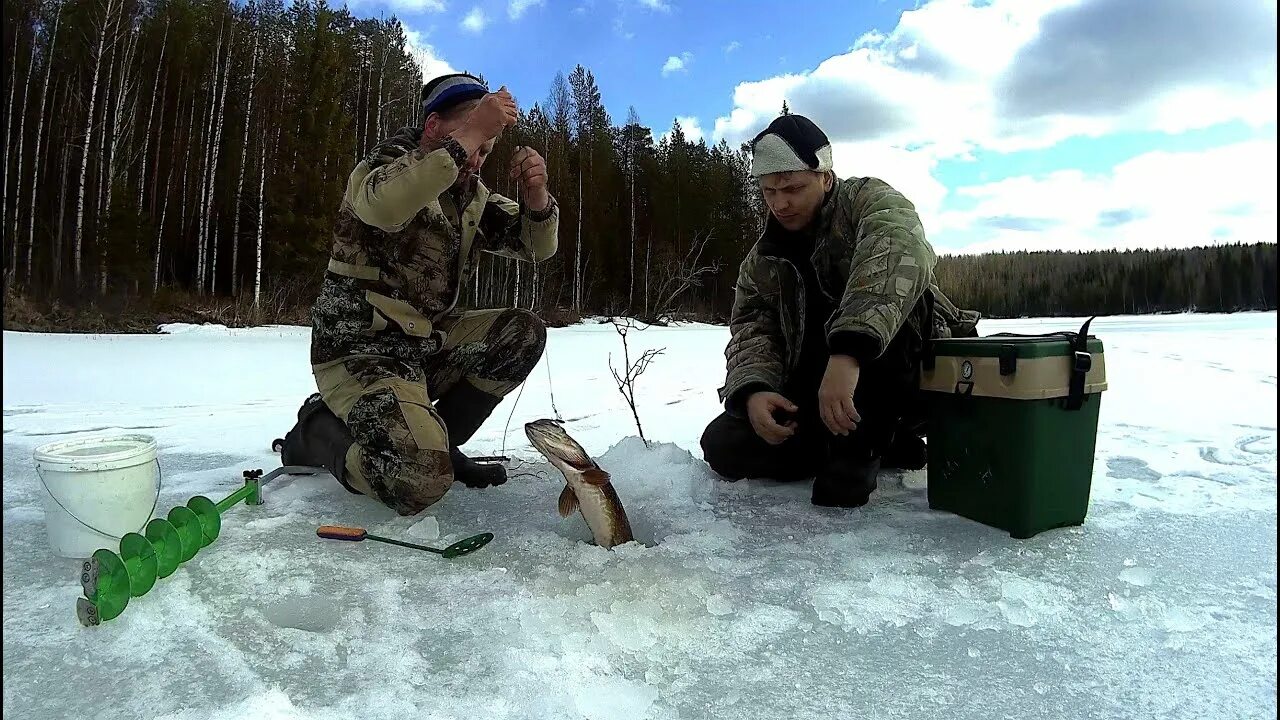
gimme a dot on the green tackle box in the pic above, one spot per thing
(1013, 421)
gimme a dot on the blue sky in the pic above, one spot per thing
(1032, 124)
(626, 44)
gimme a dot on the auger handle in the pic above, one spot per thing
(338, 532)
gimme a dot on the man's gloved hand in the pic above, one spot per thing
(474, 474)
(760, 409)
(530, 170)
(835, 396)
(487, 119)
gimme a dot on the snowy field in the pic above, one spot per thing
(743, 602)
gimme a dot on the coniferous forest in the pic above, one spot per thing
(197, 149)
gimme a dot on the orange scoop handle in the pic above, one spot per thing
(338, 532)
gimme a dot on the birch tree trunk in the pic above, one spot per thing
(8, 130)
(17, 196)
(244, 161)
(100, 219)
(648, 254)
(124, 97)
(577, 252)
(62, 216)
(146, 138)
(35, 180)
(217, 151)
(78, 238)
(173, 147)
(202, 215)
(262, 183)
(155, 272)
(186, 170)
(381, 71)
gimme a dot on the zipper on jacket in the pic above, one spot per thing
(794, 353)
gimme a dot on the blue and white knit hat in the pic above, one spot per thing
(449, 91)
(790, 143)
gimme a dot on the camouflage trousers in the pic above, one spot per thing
(400, 453)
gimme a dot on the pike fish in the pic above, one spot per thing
(588, 488)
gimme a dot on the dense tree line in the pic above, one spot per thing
(1223, 278)
(185, 143)
(202, 146)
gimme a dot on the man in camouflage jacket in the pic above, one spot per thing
(833, 306)
(404, 377)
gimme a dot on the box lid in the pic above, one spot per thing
(1023, 346)
(1015, 367)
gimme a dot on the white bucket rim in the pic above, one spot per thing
(120, 450)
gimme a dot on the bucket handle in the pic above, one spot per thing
(154, 503)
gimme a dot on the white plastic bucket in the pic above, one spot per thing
(96, 490)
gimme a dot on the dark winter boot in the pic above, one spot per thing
(464, 409)
(849, 476)
(319, 439)
(907, 452)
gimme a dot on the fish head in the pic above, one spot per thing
(550, 439)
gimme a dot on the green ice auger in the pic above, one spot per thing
(110, 579)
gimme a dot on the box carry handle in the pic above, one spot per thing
(1081, 360)
(1081, 363)
(1008, 360)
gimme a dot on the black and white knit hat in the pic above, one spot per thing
(789, 144)
(449, 91)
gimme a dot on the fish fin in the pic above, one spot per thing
(568, 501)
(595, 476)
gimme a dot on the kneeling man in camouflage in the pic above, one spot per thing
(404, 377)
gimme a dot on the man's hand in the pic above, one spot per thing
(835, 397)
(530, 171)
(486, 120)
(760, 409)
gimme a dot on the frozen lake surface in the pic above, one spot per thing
(743, 602)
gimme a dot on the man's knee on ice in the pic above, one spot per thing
(723, 443)
(523, 336)
(513, 346)
(403, 447)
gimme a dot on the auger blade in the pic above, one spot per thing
(106, 584)
(140, 562)
(86, 612)
(187, 523)
(210, 519)
(164, 539)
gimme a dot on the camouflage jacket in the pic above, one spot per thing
(872, 262)
(404, 245)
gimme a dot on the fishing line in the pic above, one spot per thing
(546, 351)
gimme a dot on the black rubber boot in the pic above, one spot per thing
(849, 476)
(907, 452)
(319, 439)
(464, 409)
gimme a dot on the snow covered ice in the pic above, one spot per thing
(740, 600)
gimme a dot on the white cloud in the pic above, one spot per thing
(690, 126)
(517, 8)
(732, 46)
(955, 75)
(1158, 199)
(910, 173)
(475, 21)
(425, 55)
(677, 63)
(659, 5)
